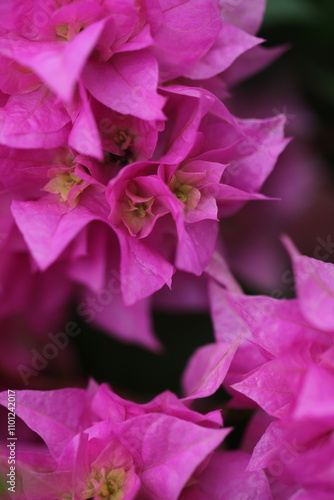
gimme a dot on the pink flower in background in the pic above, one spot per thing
(300, 181)
(31, 309)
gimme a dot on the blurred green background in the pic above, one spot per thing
(307, 25)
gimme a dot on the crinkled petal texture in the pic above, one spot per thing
(315, 288)
(35, 121)
(169, 451)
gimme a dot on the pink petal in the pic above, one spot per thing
(255, 156)
(196, 245)
(315, 288)
(34, 120)
(228, 46)
(226, 477)
(219, 271)
(58, 64)
(130, 324)
(143, 270)
(170, 450)
(251, 62)
(274, 385)
(246, 15)
(185, 109)
(127, 84)
(47, 228)
(207, 368)
(231, 199)
(177, 48)
(266, 449)
(85, 136)
(262, 319)
(15, 79)
(55, 415)
(316, 397)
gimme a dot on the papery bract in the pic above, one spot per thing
(117, 452)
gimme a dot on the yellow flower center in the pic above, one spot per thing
(181, 195)
(189, 195)
(141, 209)
(62, 184)
(68, 32)
(106, 486)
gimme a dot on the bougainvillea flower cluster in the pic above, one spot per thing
(98, 445)
(119, 161)
(277, 355)
(110, 131)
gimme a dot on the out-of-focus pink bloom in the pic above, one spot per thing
(35, 307)
(298, 180)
